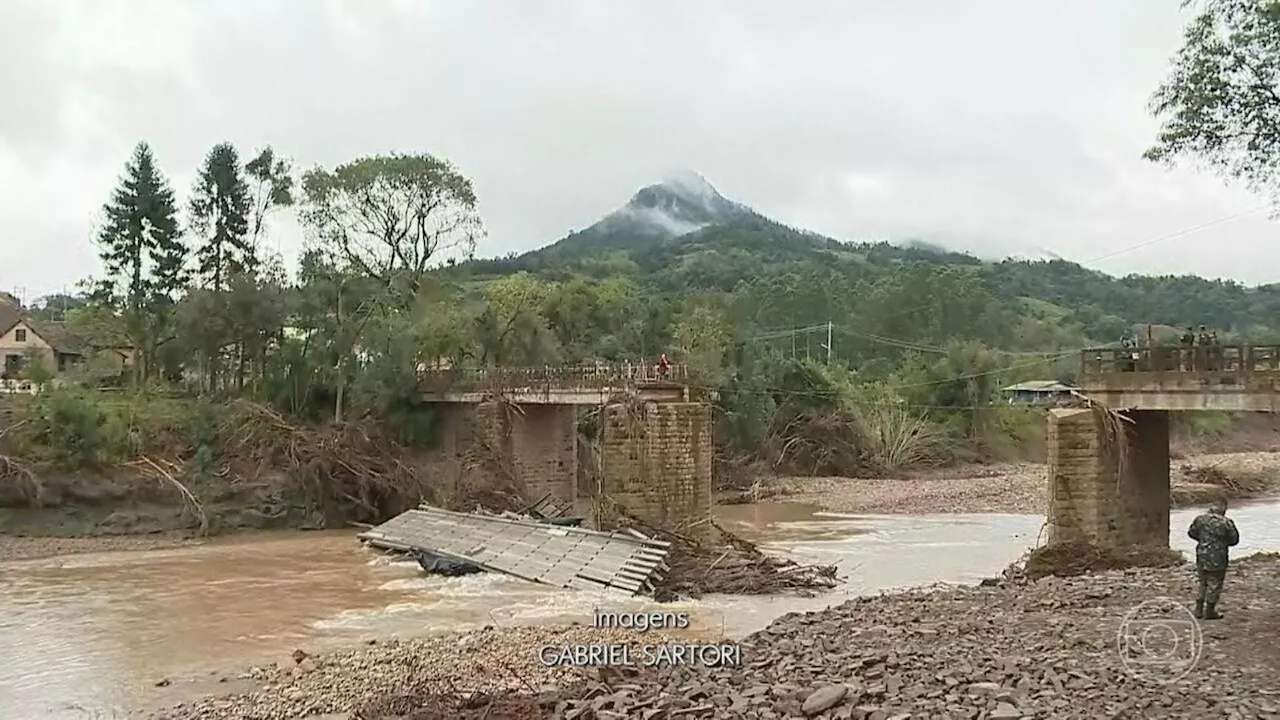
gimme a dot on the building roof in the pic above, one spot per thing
(58, 337)
(9, 316)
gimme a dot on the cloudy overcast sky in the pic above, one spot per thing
(997, 126)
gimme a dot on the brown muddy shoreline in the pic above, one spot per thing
(132, 519)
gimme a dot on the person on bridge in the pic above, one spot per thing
(1214, 533)
(664, 366)
(1128, 362)
(1188, 348)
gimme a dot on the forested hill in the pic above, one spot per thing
(682, 236)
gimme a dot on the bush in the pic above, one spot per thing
(64, 427)
(895, 438)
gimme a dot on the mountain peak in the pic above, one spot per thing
(686, 181)
(681, 203)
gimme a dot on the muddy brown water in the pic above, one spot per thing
(91, 635)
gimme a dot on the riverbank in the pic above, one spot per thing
(13, 548)
(1020, 488)
(1047, 648)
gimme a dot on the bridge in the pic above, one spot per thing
(519, 427)
(1113, 490)
(570, 385)
(655, 443)
(1230, 377)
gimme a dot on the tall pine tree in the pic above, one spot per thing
(220, 221)
(220, 217)
(141, 246)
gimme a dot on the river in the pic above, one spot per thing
(86, 636)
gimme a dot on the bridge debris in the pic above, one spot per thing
(717, 561)
(557, 555)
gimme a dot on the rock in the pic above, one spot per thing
(1020, 649)
(823, 699)
(1005, 711)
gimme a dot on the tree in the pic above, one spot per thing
(220, 219)
(393, 217)
(140, 245)
(272, 187)
(1220, 103)
(220, 207)
(511, 329)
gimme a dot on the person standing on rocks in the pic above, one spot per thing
(1214, 533)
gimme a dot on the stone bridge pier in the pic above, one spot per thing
(1095, 496)
(1114, 493)
(519, 427)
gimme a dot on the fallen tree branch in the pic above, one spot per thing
(150, 466)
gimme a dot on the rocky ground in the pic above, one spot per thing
(1044, 649)
(1018, 488)
(493, 659)
(27, 548)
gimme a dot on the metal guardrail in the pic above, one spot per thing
(572, 377)
(1199, 359)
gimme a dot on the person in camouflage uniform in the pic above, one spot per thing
(1214, 533)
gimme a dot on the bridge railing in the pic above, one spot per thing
(1221, 358)
(573, 377)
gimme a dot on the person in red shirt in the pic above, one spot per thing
(664, 365)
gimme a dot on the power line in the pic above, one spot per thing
(1180, 233)
(1121, 251)
(889, 388)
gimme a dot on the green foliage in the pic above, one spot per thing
(35, 367)
(220, 219)
(271, 187)
(822, 356)
(142, 252)
(1220, 104)
(63, 428)
(393, 217)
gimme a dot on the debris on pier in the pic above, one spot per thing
(705, 559)
(538, 551)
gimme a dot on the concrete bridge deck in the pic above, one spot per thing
(567, 385)
(1228, 377)
(1113, 491)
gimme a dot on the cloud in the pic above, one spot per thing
(1001, 126)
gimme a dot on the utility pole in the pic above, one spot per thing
(828, 342)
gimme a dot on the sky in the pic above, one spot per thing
(994, 126)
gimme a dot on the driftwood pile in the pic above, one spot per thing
(1072, 559)
(355, 466)
(707, 559)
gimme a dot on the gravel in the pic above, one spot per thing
(1020, 488)
(488, 660)
(1043, 649)
(14, 547)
